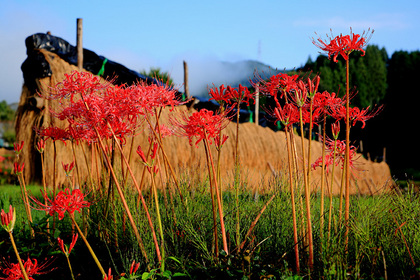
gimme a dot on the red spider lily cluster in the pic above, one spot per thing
(65, 201)
(298, 99)
(302, 93)
(336, 155)
(95, 109)
(32, 268)
(231, 95)
(204, 124)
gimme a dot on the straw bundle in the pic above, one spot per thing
(262, 152)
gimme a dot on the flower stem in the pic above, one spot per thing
(149, 219)
(87, 245)
(218, 196)
(71, 270)
(307, 196)
(22, 268)
(162, 267)
(292, 196)
(347, 166)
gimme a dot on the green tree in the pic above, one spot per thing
(368, 75)
(6, 112)
(375, 83)
(158, 74)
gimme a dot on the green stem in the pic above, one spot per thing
(87, 245)
(307, 196)
(22, 268)
(71, 270)
(120, 193)
(218, 196)
(159, 222)
(292, 197)
(149, 219)
(331, 188)
(238, 228)
(323, 178)
(213, 204)
(347, 210)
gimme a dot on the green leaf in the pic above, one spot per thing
(179, 274)
(146, 275)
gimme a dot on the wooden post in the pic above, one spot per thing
(384, 155)
(79, 44)
(187, 91)
(257, 103)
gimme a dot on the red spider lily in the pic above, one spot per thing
(154, 151)
(54, 133)
(328, 161)
(8, 220)
(78, 82)
(241, 94)
(40, 145)
(68, 167)
(280, 82)
(287, 114)
(313, 85)
(339, 152)
(18, 147)
(105, 109)
(64, 248)
(220, 95)
(134, 267)
(219, 142)
(325, 102)
(18, 169)
(335, 128)
(13, 271)
(141, 154)
(152, 156)
(356, 114)
(343, 45)
(203, 124)
(2, 158)
(165, 131)
(109, 276)
(62, 203)
(300, 94)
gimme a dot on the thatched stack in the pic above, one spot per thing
(262, 151)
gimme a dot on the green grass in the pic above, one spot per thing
(376, 246)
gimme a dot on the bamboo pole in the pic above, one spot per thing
(186, 88)
(257, 103)
(79, 43)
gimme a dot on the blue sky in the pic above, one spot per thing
(144, 34)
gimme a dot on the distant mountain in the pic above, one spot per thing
(233, 74)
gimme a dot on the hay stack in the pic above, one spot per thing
(262, 151)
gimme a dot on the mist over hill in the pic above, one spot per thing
(206, 74)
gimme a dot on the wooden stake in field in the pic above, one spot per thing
(186, 88)
(79, 43)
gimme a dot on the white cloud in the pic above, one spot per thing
(391, 21)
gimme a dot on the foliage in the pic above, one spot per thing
(375, 241)
(157, 73)
(6, 112)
